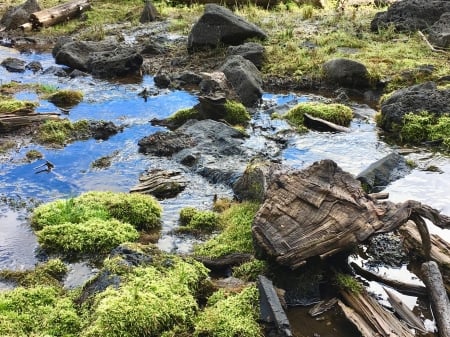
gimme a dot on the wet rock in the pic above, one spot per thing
(218, 25)
(131, 257)
(76, 54)
(386, 249)
(439, 32)
(346, 73)
(99, 284)
(14, 65)
(16, 16)
(55, 71)
(410, 15)
(34, 66)
(162, 79)
(103, 130)
(245, 78)
(153, 48)
(165, 143)
(388, 169)
(188, 78)
(161, 184)
(421, 97)
(149, 13)
(251, 51)
(77, 73)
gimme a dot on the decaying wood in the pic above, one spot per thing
(22, 118)
(323, 210)
(440, 303)
(160, 183)
(64, 12)
(370, 317)
(26, 27)
(320, 124)
(404, 312)
(404, 288)
(322, 307)
(271, 310)
(440, 249)
(379, 195)
(231, 3)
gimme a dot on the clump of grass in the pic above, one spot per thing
(349, 283)
(182, 116)
(10, 105)
(33, 155)
(333, 112)
(150, 301)
(237, 234)
(192, 219)
(46, 89)
(65, 98)
(250, 270)
(230, 315)
(59, 132)
(416, 127)
(236, 113)
(38, 311)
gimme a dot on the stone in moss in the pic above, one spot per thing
(333, 112)
(65, 98)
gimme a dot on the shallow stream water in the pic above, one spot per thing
(119, 102)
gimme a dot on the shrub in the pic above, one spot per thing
(230, 315)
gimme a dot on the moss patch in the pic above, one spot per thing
(61, 131)
(349, 283)
(65, 98)
(192, 219)
(237, 234)
(333, 112)
(13, 105)
(236, 113)
(182, 116)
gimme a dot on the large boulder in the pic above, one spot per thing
(218, 25)
(439, 32)
(13, 65)
(421, 97)
(16, 16)
(411, 15)
(245, 79)
(101, 59)
(346, 73)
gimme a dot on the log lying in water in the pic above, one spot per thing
(52, 16)
(438, 297)
(13, 121)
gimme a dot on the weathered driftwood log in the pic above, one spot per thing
(438, 297)
(371, 318)
(161, 184)
(320, 124)
(323, 210)
(440, 250)
(64, 12)
(13, 121)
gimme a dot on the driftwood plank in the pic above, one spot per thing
(440, 303)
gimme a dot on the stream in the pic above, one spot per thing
(119, 103)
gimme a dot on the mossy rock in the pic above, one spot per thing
(182, 116)
(8, 105)
(61, 131)
(236, 113)
(65, 98)
(192, 220)
(331, 112)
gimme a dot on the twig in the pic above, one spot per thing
(430, 45)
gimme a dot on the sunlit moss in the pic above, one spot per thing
(236, 113)
(250, 270)
(236, 236)
(33, 155)
(192, 219)
(61, 131)
(230, 315)
(349, 283)
(65, 98)
(416, 127)
(182, 116)
(14, 105)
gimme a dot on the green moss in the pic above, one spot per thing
(33, 155)
(14, 105)
(61, 131)
(334, 112)
(349, 283)
(150, 301)
(192, 219)
(416, 127)
(249, 271)
(6, 145)
(230, 315)
(88, 237)
(37, 311)
(182, 116)
(237, 234)
(65, 98)
(236, 113)
(441, 130)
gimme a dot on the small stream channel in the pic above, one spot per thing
(119, 102)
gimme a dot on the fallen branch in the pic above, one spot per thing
(430, 45)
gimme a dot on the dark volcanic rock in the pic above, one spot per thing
(245, 79)
(14, 65)
(251, 51)
(347, 73)
(162, 184)
(165, 143)
(218, 25)
(16, 16)
(418, 98)
(411, 15)
(103, 130)
(439, 32)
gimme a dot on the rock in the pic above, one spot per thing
(346, 73)
(34, 66)
(77, 73)
(131, 257)
(162, 79)
(16, 16)
(149, 13)
(14, 65)
(251, 51)
(161, 184)
(103, 130)
(55, 71)
(383, 172)
(245, 79)
(76, 54)
(153, 48)
(98, 284)
(188, 78)
(218, 25)
(216, 82)
(421, 97)
(410, 15)
(439, 32)
(165, 143)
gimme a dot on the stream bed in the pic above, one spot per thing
(119, 103)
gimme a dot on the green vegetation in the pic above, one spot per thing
(6, 145)
(230, 315)
(182, 116)
(59, 132)
(249, 271)
(33, 155)
(9, 105)
(94, 221)
(237, 234)
(332, 112)
(192, 219)
(348, 283)
(65, 98)
(236, 113)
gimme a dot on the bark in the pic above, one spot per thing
(320, 124)
(440, 303)
(64, 12)
(14, 121)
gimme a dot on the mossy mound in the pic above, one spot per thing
(230, 315)
(182, 116)
(94, 221)
(61, 131)
(65, 98)
(333, 112)
(192, 219)
(8, 105)
(237, 234)
(236, 113)
(149, 302)
(250, 270)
